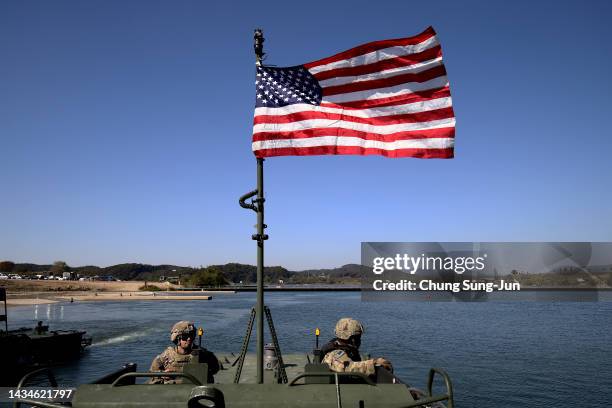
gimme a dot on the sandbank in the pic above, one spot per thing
(129, 296)
(28, 301)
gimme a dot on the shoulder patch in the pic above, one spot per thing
(339, 353)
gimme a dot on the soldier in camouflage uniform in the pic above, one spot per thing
(174, 359)
(341, 354)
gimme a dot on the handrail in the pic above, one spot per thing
(338, 399)
(357, 375)
(447, 382)
(190, 377)
(52, 383)
(50, 377)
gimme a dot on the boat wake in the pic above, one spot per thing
(122, 338)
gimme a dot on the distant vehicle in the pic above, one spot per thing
(27, 349)
(15, 276)
(3, 276)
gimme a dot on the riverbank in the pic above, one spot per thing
(29, 301)
(131, 296)
(34, 292)
(16, 286)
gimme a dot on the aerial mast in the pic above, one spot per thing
(257, 205)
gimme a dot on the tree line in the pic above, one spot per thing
(213, 275)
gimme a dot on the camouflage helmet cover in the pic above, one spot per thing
(347, 327)
(182, 327)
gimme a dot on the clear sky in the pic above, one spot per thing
(125, 131)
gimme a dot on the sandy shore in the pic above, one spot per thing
(131, 296)
(26, 301)
(26, 285)
(34, 292)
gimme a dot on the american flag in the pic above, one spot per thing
(389, 97)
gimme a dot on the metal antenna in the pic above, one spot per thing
(257, 205)
(258, 45)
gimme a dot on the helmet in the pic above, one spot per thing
(182, 327)
(347, 327)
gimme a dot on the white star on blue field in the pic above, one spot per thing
(276, 87)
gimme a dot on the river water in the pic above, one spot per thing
(498, 354)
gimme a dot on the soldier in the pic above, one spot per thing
(174, 359)
(341, 354)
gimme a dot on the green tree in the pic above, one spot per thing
(59, 267)
(210, 276)
(6, 266)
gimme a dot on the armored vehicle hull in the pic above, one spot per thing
(26, 349)
(309, 385)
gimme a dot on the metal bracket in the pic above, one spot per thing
(282, 374)
(249, 206)
(259, 238)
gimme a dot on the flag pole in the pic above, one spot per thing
(260, 237)
(257, 205)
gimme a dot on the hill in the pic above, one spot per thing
(232, 272)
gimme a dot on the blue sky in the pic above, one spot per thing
(125, 131)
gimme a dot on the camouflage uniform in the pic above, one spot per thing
(171, 361)
(340, 362)
(343, 357)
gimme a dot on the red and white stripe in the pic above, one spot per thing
(390, 98)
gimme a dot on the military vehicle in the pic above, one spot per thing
(299, 381)
(26, 349)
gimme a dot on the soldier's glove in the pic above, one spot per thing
(383, 362)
